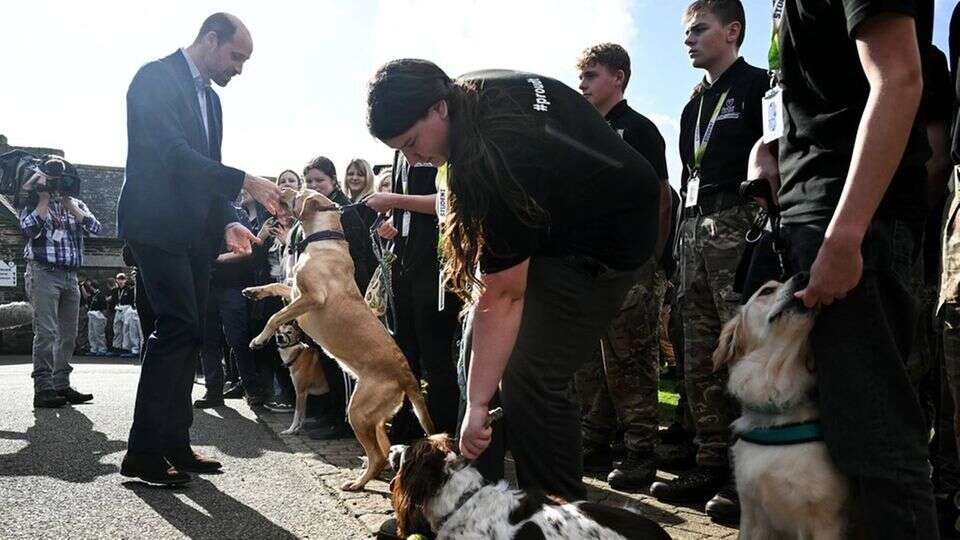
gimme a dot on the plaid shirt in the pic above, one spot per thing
(57, 240)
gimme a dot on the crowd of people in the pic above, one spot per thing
(545, 217)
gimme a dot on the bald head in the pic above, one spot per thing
(221, 47)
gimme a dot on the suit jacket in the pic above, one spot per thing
(176, 194)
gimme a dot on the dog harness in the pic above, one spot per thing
(317, 237)
(785, 435)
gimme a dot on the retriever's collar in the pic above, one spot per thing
(785, 435)
(327, 234)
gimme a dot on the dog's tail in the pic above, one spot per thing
(15, 314)
(420, 407)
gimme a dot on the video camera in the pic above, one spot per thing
(18, 166)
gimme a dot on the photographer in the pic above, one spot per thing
(54, 226)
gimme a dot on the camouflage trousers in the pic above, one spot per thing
(711, 248)
(945, 446)
(620, 382)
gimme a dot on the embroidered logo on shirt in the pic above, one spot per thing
(541, 102)
(729, 110)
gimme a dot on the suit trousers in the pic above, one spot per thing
(176, 284)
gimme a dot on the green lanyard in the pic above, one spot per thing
(700, 147)
(773, 54)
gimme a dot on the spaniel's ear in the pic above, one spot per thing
(730, 347)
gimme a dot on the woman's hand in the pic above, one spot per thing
(387, 231)
(475, 434)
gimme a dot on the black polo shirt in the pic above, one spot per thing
(641, 134)
(825, 93)
(738, 126)
(644, 137)
(600, 196)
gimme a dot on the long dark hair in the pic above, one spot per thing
(478, 175)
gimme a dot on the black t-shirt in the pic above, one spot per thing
(739, 125)
(600, 196)
(416, 252)
(825, 93)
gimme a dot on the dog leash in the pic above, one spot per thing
(382, 255)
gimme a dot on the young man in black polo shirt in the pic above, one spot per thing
(622, 382)
(852, 168)
(718, 128)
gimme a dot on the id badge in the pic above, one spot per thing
(405, 224)
(772, 115)
(693, 192)
(58, 235)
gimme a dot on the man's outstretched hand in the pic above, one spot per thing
(265, 192)
(239, 239)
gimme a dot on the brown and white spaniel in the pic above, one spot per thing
(436, 492)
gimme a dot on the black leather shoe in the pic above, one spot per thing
(213, 397)
(635, 473)
(73, 396)
(233, 392)
(697, 485)
(151, 468)
(388, 530)
(724, 507)
(186, 460)
(329, 432)
(597, 459)
(48, 399)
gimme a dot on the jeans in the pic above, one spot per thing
(55, 297)
(227, 312)
(872, 423)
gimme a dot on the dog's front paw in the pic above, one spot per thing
(291, 431)
(252, 293)
(352, 486)
(257, 343)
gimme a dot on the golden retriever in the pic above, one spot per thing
(788, 486)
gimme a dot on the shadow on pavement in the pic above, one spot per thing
(61, 444)
(233, 433)
(219, 515)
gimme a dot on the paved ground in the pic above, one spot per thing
(59, 473)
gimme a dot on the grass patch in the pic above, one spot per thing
(669, 395)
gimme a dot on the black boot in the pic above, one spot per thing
(697, 485)
(213, 397)
(635, 473)
(724, 507)
(597, 459)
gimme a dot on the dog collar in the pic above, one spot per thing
(318, 236)
(466, 496)
(785, 435)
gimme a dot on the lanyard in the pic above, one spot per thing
(700, 147)
(773, 54)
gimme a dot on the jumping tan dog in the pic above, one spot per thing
(329, 307)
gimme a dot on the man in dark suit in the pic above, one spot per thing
(175, 213)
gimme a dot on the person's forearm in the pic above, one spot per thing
(939, 165)
(878, 149)
(496, 322)
(421, 204)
